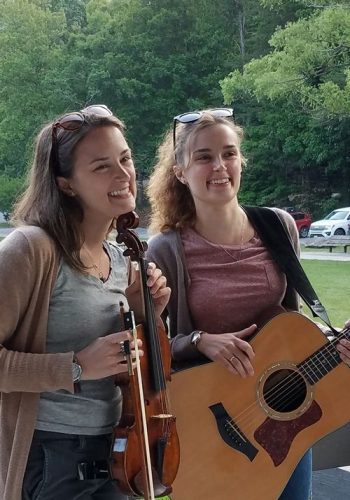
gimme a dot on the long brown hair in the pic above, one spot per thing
(172, 205)
(43, 204)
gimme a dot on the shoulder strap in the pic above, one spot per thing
(275, 236)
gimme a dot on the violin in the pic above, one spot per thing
(145, 452)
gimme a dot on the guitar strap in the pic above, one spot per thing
(276, 237)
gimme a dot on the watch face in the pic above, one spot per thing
(76, 372)
(195, 337)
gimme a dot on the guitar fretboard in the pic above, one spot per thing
(321, 362)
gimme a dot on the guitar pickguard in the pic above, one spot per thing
(276, 436)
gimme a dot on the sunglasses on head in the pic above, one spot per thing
(193, 116)
(72, 122)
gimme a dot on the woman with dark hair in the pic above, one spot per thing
(222, 275)
(61, 333)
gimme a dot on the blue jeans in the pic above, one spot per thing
(299, 486)
(69, 467)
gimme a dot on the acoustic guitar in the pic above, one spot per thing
(241, 439)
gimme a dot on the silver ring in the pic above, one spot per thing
(122, 347)
(232, 358)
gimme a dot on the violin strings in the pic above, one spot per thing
(159, 366)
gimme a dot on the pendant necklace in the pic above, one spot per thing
(241, 243)
(97, 267)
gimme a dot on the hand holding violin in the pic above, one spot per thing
(105, 356)
(157, 285)
(230, 350)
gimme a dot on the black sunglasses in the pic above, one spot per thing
(72, 122)
(193, 116)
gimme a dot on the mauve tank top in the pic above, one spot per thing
(226, 294)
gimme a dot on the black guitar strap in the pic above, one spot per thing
(276, 237)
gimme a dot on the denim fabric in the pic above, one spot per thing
(52, 469)
(299, 486)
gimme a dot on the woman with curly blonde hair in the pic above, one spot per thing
(222, 273)
(172, 204)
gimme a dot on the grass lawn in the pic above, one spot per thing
(331, 281)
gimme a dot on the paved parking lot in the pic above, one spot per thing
(331, 484)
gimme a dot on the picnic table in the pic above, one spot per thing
(331, 242)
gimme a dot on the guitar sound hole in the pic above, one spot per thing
(284, 390)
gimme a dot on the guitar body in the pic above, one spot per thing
(238, 441)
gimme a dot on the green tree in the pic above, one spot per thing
(147, 59)
(152, 60)
(30, 58)
(309, 62)
(310, 4)
(303, 84)
(10, 188)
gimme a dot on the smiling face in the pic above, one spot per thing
(214, 169)
(103, 177)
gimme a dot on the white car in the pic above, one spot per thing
(336, 223)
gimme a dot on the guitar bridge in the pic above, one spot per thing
(230, 432)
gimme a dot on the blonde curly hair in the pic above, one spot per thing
(172, 205)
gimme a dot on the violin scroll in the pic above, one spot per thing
(135, 247)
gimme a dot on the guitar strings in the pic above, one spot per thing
(326, 348)
(310, 364)
(286, 389)
(284, 383)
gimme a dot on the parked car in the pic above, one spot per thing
(336, 223)
(303, 221)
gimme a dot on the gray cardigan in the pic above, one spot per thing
(166, 250)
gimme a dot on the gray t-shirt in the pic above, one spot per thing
(83, 308)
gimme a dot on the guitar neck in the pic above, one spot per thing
(324, 360)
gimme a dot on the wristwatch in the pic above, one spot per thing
(195, 337)
(76, 370)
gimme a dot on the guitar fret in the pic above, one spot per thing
(334, 356)
(308, 374)
(321, 367)
(313, 362)
(321, 362)
(326, 361)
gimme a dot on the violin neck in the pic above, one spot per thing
(155, 355)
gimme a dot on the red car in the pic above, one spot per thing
(303, 221)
